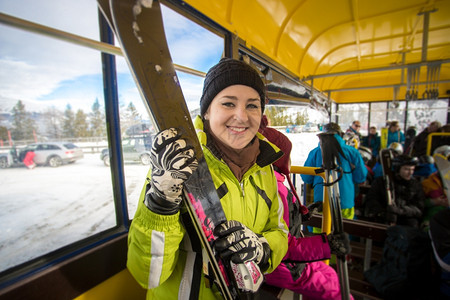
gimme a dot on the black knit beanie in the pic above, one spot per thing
(226, 73)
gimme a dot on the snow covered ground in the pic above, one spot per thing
(47, 208)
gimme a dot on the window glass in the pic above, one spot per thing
(51, 90)
(378, 115)
(396, 112)
(422, 113)
(183, 37)
(352, 112)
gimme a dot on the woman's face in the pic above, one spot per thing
(234, 115)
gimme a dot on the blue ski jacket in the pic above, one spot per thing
(354, 172)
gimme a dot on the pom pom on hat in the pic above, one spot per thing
(230, 72)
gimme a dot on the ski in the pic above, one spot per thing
(386, 157)
(331, 152)
(138, 26)
(443, 166)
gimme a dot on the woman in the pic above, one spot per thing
(395, 135)
(160, 254)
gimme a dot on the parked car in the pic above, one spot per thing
(310, 127)
(134, 149)
(293, 129)
(53, 154)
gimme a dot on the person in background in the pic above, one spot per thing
(302, 270)
(372, 141)
(436, 199)
(28, 159)
(163, 255)
(395, 135)
(409, 200)
(352, 165)
(353, 133)
(419, 146)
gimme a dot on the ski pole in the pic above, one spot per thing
(331, 151)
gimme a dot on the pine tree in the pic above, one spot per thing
(97, 125)
(68, 122)
(130, 117)
(22, 124)
(80, 124)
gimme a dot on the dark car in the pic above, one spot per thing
(134, 149)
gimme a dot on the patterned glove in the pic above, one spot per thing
(235, 240)
(339, 244)
(172, 163)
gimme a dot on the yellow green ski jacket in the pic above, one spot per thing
(161, 256)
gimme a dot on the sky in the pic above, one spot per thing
(41, 70)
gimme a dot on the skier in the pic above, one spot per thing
(162, 253)
(408, 203)
(372, 140)
(354, 172)
(395, 134)
(420, 142)
(302, 270)
(353, 132)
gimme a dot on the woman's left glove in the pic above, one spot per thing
(339, 244)
(172, 162)
(236, 241)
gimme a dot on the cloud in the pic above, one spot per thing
(40, 69)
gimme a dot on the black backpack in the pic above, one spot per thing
(405, 270)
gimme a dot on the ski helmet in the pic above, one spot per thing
(397, 147)
(404, 160)
(366, 153)
(350, 139)
(443, 150)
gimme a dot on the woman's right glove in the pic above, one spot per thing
(172, 163)
(236, 241)
(339, 244)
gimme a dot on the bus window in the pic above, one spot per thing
(51, 91)
(351, 112)
(422, 113)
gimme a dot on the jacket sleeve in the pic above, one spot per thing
(359, 174)
(310, 162)
(307, 249)
(153, 245)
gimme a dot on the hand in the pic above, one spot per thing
(315, 207)
(238, 242)
(172, 163)
(339, 244)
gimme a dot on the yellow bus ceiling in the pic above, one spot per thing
(316, 37)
